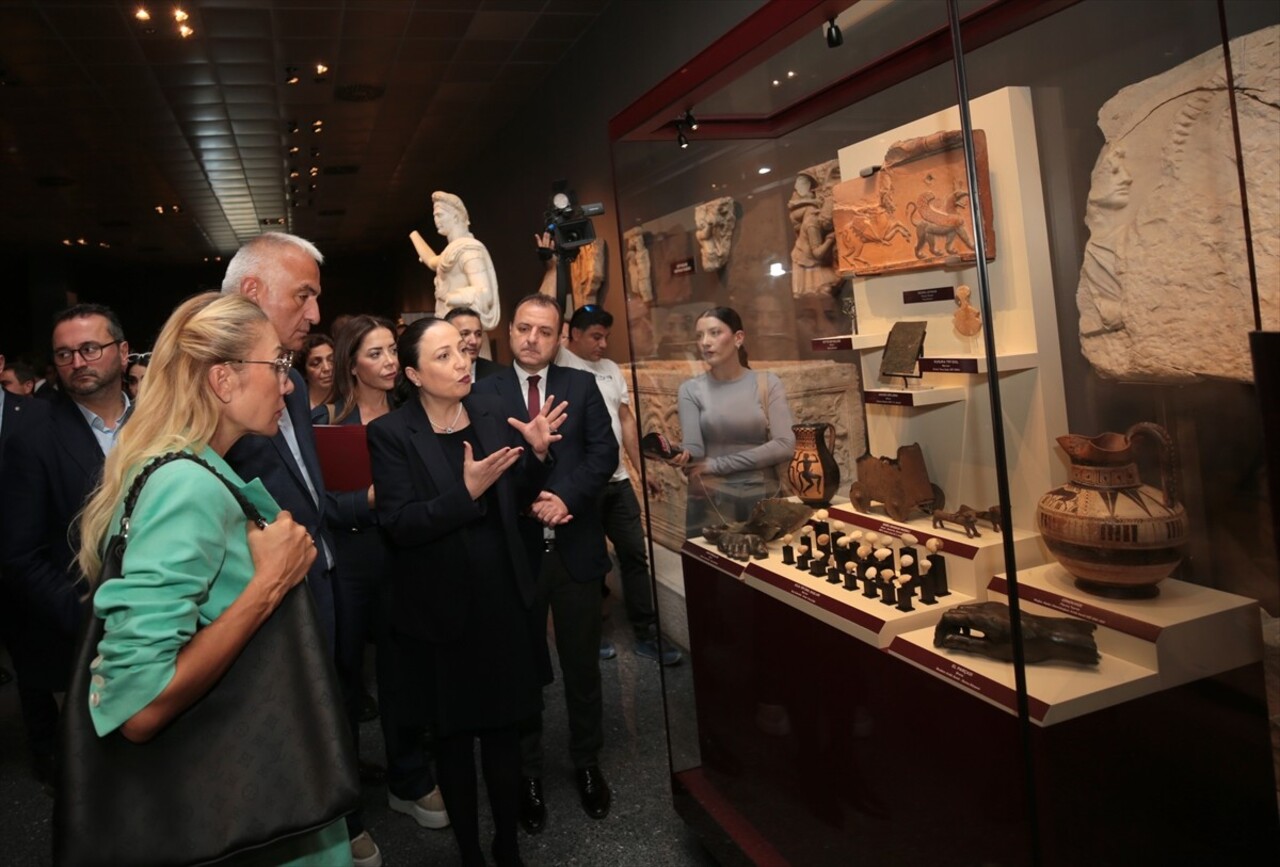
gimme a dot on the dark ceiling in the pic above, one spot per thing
(106, 119)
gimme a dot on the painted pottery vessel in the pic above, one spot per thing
(1117, 536)
(814, 473)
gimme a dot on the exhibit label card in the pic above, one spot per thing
(923, 296)
(681, 268)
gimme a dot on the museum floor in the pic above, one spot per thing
(641, 830)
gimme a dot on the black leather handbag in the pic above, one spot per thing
(265, 755)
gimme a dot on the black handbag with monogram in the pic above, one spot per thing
(265, 755)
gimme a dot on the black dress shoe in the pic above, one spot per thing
(594, 791)
(533, 810)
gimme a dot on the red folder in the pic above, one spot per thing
(343, 450)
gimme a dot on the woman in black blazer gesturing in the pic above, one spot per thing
(452, 474)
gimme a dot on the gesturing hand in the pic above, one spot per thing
(480, 475)
(540, 431)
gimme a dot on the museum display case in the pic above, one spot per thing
(1012, 268)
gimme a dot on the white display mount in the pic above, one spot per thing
(1187, 633)
(948, 412)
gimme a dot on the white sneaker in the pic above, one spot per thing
(365, 852)
(428, 811)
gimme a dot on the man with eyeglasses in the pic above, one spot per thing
(50, 468)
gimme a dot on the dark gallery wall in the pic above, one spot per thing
(562, 133)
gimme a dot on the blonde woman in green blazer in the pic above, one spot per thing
(198, 579)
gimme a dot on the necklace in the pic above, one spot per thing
(448, 428)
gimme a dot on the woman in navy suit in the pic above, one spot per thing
(452, 475)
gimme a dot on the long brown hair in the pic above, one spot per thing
(350, 337)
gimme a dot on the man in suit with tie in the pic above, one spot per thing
(575, 560)
(51, 465)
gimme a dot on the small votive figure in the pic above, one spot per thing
(788, 552)
(802, 557)
(926, 584)
(818, 564)
(887, 588)
(869, 582)
(939, 570)
(850, 575)
(821, 527)
(824, 543)
(906, 592)
(833, 571)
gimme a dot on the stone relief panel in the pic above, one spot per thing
(1164, 291)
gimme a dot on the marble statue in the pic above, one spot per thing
(1164, 292)
(464, 271)
(715, 221)
(639, 268)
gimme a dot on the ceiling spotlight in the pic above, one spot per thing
(179, 15)
(315, 152)
(142, 14)
(175, 209)
(315, 170)
(834, 37)
(291, 127)
(776, 82)
(81, 241)
(791, 73)
(293, 149)
(690, 121)
(763, 170)
(66, 242)
(294, 174)
(184, 31)
(321, 69)
(291, 75)
(159, 209)
(680, 139)
(104, 245)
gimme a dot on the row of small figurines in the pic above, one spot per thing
(889, 567)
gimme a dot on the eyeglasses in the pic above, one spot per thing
(139, 357)
(87, 351)
(283, 363)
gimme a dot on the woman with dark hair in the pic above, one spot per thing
(134, 372)
(315, 363)
(453, 474)
(365, 368)
(736, 427)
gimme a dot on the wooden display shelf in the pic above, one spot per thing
(1186, 633)
(1056, 692)
(866, 619)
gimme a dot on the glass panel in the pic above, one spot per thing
(799, 735)
(1134, 442)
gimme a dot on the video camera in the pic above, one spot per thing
(568, 223)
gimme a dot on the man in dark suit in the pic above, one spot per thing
(281, 274)
(51, 465)
(575, 560)
(467, 321)
(16, 410)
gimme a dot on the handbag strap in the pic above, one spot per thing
(251, 512)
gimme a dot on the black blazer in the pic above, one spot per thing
(51, 466)
(18, 412)
(423, 503)
(585, 459)
(269, 459)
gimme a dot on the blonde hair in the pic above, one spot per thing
(176, 408)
